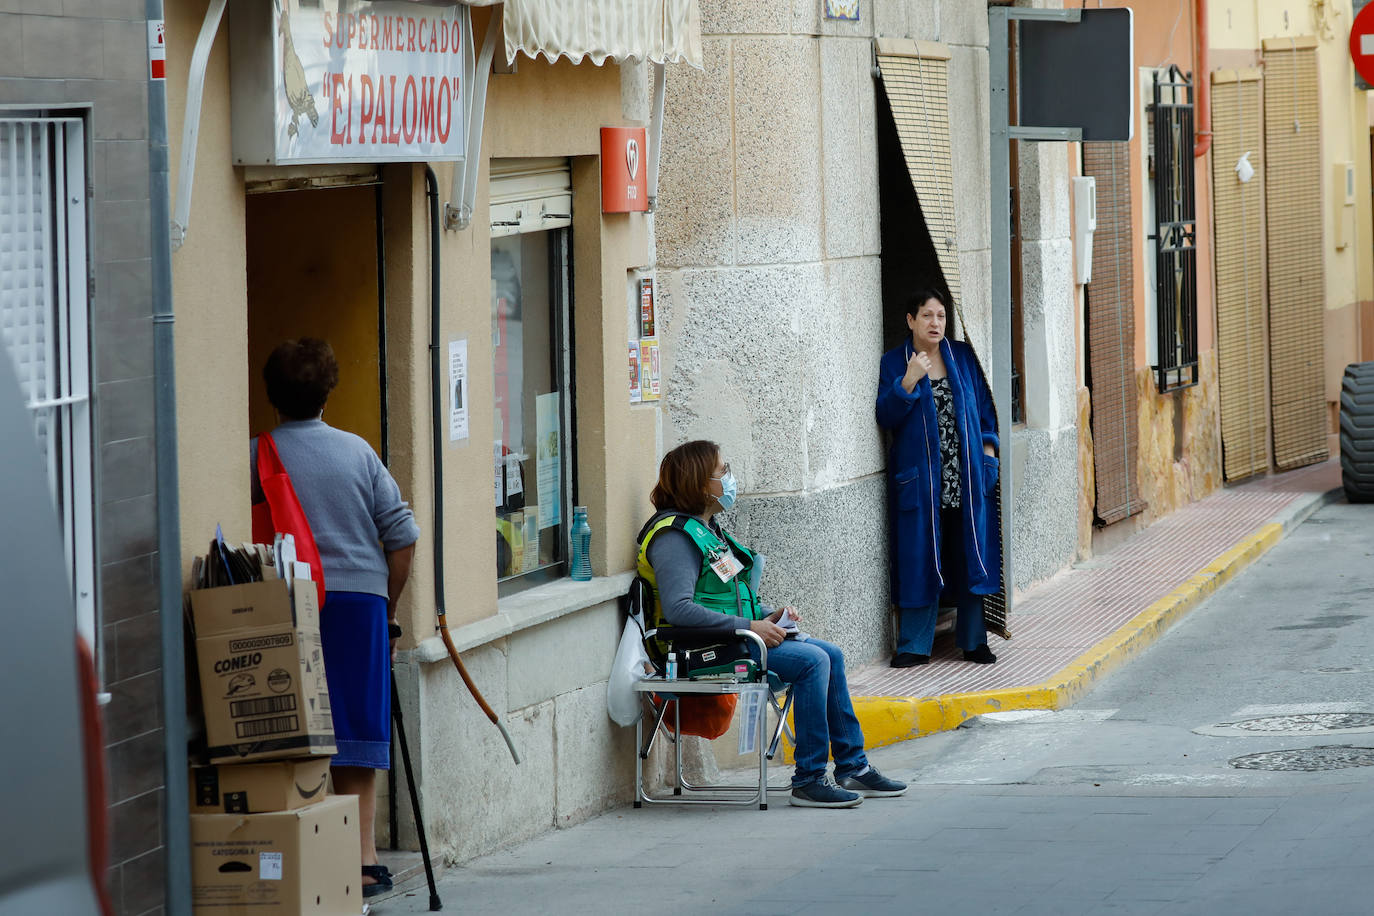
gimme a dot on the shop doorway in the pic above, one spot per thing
(315, 270)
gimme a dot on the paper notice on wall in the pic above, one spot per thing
(515, 477)
(548, 449)
(634, 372)
(646, 308)
(458, 390)
(649, 378)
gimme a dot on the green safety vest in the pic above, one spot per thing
(734, 597)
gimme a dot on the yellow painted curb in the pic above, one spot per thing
(888, 720)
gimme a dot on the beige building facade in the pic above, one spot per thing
(543, 305)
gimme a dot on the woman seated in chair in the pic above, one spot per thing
(704, 583)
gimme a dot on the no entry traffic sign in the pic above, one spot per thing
(1362, 45)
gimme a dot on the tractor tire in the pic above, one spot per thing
(1357, 432)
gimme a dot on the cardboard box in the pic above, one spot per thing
(261, 665)
(286, 863)
(252, 788)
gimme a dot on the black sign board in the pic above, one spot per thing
(1079, 74)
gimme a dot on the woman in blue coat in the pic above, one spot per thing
(942, 473)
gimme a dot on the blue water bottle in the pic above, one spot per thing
(581, 545)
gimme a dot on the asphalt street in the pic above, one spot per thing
(1146, 797)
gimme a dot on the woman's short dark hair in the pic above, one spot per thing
(684, 477)
(299, 376)
(921, 296)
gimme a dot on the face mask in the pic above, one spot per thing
(728, 490)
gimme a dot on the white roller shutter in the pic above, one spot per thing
(530, 195)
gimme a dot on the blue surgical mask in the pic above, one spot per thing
(729, 489)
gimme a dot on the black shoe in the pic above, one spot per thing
(910, 659)
(873, 785)
(380, 874)
(824, 794)
(981, 655)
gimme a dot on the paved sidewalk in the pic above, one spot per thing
(1070, 630)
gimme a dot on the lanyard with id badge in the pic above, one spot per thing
(725, 563)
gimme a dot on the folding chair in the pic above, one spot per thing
(660, 691)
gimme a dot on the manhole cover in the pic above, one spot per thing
(1304, 722)
(1308, 759)
(1293, 724)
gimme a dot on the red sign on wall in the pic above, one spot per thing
(1362, 44)
(624, 185)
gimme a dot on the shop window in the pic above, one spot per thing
(1175, 231)
(531, 348)
(44, 321)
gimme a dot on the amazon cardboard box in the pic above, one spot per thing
(252, 788)
(261, 666)
(286, 863)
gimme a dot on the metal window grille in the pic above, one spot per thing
(44, 320)
(1175, 234)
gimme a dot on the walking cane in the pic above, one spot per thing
(434, 903)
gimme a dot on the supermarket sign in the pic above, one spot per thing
(316, 85)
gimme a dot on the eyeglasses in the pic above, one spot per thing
(724, 473)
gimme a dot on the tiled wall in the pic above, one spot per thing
(94, 53)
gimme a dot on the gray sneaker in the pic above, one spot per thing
(874, 785)
(824, 794)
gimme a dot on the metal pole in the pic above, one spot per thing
(999, 113)
(1000, 133)
(175, 801)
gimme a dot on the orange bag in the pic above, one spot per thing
(705, 716)
(281, 512)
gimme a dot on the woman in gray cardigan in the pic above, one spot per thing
(366, 536)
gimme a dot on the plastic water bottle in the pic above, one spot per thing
(581, 545)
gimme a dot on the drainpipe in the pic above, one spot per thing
(176, 836)
(437, 437)
(1202, 82)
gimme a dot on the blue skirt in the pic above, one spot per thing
(357, 664)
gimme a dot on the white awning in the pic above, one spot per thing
(662, 31)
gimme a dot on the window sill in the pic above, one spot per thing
(526, 609)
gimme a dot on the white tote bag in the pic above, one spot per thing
(631, 665)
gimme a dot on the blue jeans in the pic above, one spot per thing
(916, 626)
(822, 715)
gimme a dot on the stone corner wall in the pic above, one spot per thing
(768, 252)
(1194, 413)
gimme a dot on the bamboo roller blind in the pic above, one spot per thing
(1238, 227)
(1111, 335)
(916, 80)
(1293, 209)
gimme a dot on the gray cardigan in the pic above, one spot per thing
(354, 506)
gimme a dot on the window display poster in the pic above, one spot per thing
(634, 372)
(649, 377)
(500, 481)
(530, 560)
(548, 448)
(458, 390)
